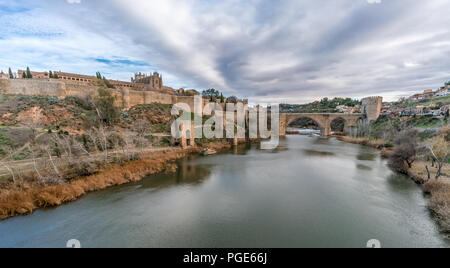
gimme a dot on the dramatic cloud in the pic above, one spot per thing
(284, 51)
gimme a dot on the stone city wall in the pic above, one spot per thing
(125, 97)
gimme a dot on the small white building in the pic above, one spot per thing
(443, 91)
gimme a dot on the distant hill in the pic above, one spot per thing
(324, 106)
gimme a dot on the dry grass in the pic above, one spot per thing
(439, 190)
(439, 202)
(24, 197)
(387, 152)
(418, 170)
(378, 144)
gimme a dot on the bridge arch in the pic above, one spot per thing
(338, 124)
(323, 120)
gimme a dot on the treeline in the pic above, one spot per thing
(325, 105)
(214, 95)
(430, 144)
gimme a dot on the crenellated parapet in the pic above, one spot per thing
(372, 107)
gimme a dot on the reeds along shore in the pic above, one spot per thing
(378, 144)
(23, 197)
(439, 202)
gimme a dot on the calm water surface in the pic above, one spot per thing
(310, 192)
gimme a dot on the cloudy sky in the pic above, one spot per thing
(265, 50)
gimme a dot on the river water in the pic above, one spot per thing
(310, 192)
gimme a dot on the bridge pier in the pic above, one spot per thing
(283, 124)
(325, 132)
(187, 136)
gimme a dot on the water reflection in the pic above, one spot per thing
(399, 182)
(308, 152)
(365, 155)
(363, 167)
(187, 173)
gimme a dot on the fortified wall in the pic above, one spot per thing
(125, 97)
(372, 107)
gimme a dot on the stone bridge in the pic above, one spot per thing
(371, 108)
(323, 120)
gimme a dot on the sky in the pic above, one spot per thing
(270, 51)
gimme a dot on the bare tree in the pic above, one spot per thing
(34, 131)
(142, 128)
(9, 169)
(103, 134)
(438, 148)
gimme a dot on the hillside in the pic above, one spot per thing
(324, 106)
(35, 119)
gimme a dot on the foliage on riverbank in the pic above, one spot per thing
(325, 105)
(388, 127)
(408, 157)
(439, 202)
(375, 143)
(23, 197)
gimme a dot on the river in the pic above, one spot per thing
(310, 192)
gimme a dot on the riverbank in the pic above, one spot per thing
(377, 144)
(23, 197)
(439, 190)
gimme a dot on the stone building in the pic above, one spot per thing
(86, 79)
(154, 80)
(141, 82)
(443, 91)
(36, 75)
(3, 75)
(371, 106)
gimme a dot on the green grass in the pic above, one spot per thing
(444, 100)
(425, 122)
(13, 136)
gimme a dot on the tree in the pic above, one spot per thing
(445, 132)
(141, 127)
(405, 152)
(24, 75)
(232, 99)
(104, 104)
(29, 75)
(55, 76)
(99, 75)
(50, 74)
(439, 147)
(107, 83)
(10, 73)
(211, 93)
(222, 100)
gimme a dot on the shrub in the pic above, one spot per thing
(104, 103)
(405, 152)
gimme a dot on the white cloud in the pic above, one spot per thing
(410, 64)
(74, 1)
(293, 51)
